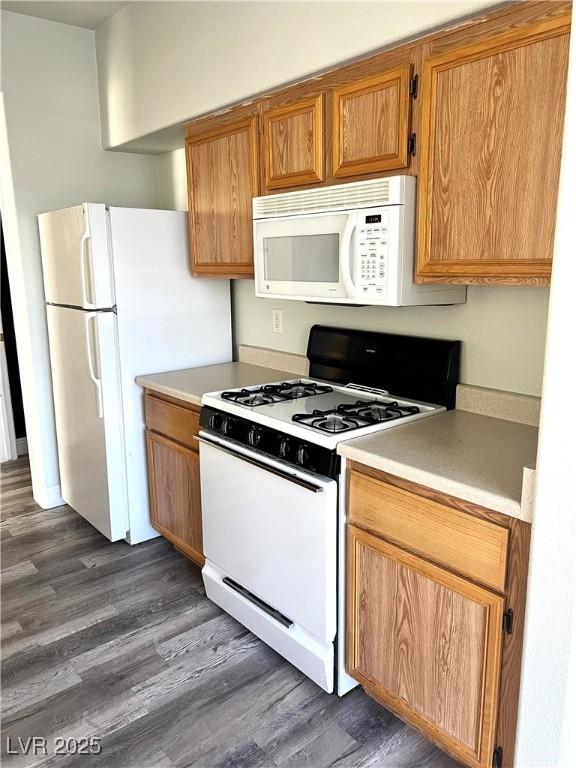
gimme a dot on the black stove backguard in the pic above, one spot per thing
(407, 366)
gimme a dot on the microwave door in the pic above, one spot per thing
(299, 257)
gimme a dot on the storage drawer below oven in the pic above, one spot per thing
(273, 530)
(311, 656)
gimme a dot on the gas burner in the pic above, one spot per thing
(260, 398)
(275, 393)
(252, 397)
(295, 390)
(327, 421)
(334, 423)
(377, 411)
(350, 416)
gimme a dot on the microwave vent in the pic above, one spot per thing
(361, 194)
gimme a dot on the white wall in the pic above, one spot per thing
(172, 181)
(157, 68)
(51, 157)
(502, 328)
(547, 721)
(161, 63)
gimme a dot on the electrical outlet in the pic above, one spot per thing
(277, 321)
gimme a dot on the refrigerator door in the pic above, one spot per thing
(167, 320)
(75, 257)
(87, 405)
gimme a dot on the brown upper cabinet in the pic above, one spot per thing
(370, 124)
(483, 133)
(223, 177)
(491, 137)
(293, 143)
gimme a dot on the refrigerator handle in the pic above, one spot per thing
(88, 318)
(86, 271)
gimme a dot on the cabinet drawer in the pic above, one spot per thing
(474, 547)
(175, 421)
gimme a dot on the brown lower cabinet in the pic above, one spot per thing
(439, 648)
(174, 474)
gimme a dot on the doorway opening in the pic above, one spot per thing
(12, 424)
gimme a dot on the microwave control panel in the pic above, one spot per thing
(372, 253)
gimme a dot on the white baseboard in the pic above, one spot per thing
(21, 446)
(48, 498)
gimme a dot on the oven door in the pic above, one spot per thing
(272, 530)
(306, 257)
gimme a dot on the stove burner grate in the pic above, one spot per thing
(275, 393)
(376, 411)
(327, 421)
(347, 417)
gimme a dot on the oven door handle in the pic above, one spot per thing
(266, 467)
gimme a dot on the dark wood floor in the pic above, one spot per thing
(120, 642)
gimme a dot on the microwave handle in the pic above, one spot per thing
(346, 256)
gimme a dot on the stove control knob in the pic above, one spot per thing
(214, 421)
(254, 436)
(284, 448)
(227, 426)
(302, 455)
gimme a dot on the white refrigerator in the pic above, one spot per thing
(120, 301)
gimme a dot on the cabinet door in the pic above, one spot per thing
(426, 644)
(174, 478)
(294, 143)
(371, 123)
(222, 167)
(492, 120)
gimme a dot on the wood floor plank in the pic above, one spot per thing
(312, 746)
(217, 648)
(127, 632)
(121, 642)
(18, 571)
(124, 644)
(32, 599)
(8, 629)
(120, 549)
(36, 689)
(58, 632)
(212, 633)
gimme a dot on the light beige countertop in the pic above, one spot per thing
(191, 383)
(473, 457)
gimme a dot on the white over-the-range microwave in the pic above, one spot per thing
(347, 244)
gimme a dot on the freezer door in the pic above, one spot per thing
(76, 258)
(86, 385)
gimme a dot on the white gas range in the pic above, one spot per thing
(273, 491)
